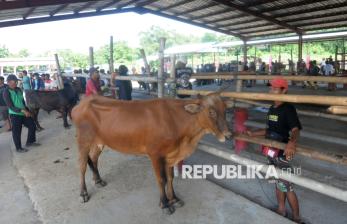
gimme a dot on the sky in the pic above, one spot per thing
(79, 34)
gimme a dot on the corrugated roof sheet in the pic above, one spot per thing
(242, 18)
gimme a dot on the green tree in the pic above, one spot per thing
(23, 53)
(68, 58)
(4, 52)
(209, 37)
(122, 53)
(149, 40)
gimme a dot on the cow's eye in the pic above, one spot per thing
(213, 113)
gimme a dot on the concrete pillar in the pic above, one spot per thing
(14, 69)
(161, 68)
(343, 59)
(172, 85)
(59, 78)
(244, 49)
(300, 48)
(1, 70)
(91, 57)
(111, 68)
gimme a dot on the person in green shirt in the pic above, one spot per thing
(19, 114)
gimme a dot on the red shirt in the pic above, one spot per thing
(92, 87)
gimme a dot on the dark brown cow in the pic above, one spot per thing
(167, 130)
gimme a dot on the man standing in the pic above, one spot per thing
(26, 81)
(3, 107)
(19, 114)
(93, 84)
(282, 125)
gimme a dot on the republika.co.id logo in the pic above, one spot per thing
(236, 171)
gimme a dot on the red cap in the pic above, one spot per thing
(279, 82)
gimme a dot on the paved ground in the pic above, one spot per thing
(50, 176)
(15, 204)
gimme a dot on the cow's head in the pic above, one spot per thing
(211, 111)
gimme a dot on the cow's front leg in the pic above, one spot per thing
(170, 193)
(65, 112)
(159, 170)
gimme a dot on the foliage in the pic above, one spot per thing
(68, 58)
(149, 40)
(4, 52)
(122, 54)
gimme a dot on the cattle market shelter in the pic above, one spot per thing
(246, 19)
(26, 62)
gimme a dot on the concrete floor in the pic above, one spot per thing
(15, 204)
(42, 186)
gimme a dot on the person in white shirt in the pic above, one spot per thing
(329, 71)
(51, 84)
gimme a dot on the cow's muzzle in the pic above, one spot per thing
(227, 134)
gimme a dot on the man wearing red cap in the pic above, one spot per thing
(283, 125)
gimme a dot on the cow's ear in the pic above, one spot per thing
(193, 108)
(199, 96)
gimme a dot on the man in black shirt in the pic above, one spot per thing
(282, 125)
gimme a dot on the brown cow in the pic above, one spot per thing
(167, 130)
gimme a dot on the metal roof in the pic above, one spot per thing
(246, 19)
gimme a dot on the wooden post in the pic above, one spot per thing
(147, 68)
(301, 150)
(300, 48)
(279, 53)
(59, 78)
(172, 85)
(343, 59)
(301, 112)
(316, 186)
(161, 68)
(311, 99)
(244, 53)
(336, 51)
(91, 57)
(111, 67)
(291, 54)
(338, 109)
(145, 62)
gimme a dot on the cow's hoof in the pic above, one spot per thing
(168, 210)
(39, 129)
(178, 203)
(100, 183)
(84, 197)
(67, 127)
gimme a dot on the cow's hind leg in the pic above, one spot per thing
(159, 170)
(83, 159)
(84, 140)
(93, 165)
(170, 193)
(35, 114)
